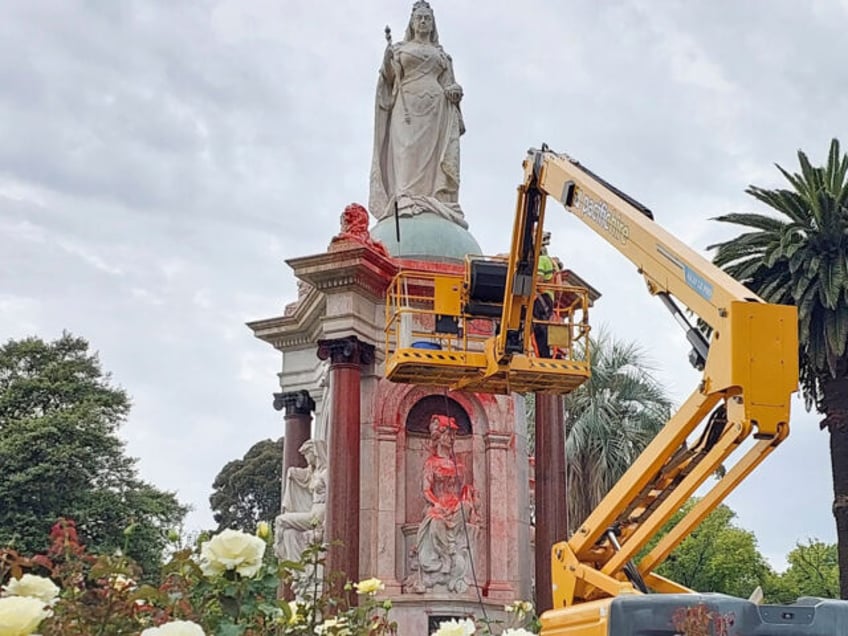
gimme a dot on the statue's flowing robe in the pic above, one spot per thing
(304, 504)
(416, 137)
(442, 549)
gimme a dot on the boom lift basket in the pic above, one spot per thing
(440, 329)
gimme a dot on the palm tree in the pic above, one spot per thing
(608, 421)
(799, 256)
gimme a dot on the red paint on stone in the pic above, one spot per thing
(354, 227)
(551, 495)
(346, 356)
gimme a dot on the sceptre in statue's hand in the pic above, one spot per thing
(387, 56)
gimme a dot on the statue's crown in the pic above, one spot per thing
(421, 4)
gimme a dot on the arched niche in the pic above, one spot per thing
(418, 447)
(418, 418)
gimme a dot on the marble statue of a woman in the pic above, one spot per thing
(441, 559)
(417, 126)
(304, 503)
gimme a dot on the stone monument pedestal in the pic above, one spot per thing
(342, 296)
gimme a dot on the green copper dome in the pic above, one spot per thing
(427, 237)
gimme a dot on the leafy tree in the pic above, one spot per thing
(813, 571)
(60, 455)
(248, 490)
(799, 256)
(717, 556)
(609, 420)
(530, 418)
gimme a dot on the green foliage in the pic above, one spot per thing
(813, 571)
(98, 594)
(247, 490)
(800, 257)
(717, 556)
(530, 418)
(60, 455)
(609, 420)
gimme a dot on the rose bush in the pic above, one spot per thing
(521, 621)
(222, 586)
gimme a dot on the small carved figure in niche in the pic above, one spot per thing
(354, 227)
(417, 126)
(302, 289)
(440, 558)
(304, 503)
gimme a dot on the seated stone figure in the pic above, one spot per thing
(304, 503)
(440, 559)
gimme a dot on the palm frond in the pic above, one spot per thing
(801, 258)
(609, 420)
(757, 221)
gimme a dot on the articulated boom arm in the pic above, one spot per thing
(749, 367)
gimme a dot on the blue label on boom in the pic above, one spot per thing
(697, 282)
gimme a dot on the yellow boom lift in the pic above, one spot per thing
(474, 331)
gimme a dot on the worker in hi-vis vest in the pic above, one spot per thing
(543, 305)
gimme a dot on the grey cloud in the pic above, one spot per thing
(160, 160)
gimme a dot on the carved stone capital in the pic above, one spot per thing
(497, 440)
(295, 403)
(349, 350)
(386, 433)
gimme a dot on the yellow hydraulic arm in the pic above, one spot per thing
(750, 370)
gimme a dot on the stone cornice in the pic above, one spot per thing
(356, 268)
(302, 326)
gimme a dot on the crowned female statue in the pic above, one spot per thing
(415, 166)
(441, 558)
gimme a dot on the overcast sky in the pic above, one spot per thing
(159, 160)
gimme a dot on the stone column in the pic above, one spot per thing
(386, 487)
(498, 586)
(298, 422)
(298, 418)
(346, 356)
(551, 497)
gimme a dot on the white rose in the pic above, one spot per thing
(174, 628)
(121, 583)
(232, 550)
(21, 615)
(38, 587)
(336, 626)
(369, 586)
(263, 530)
(465, 627)
(296, 616)
(521, 608)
